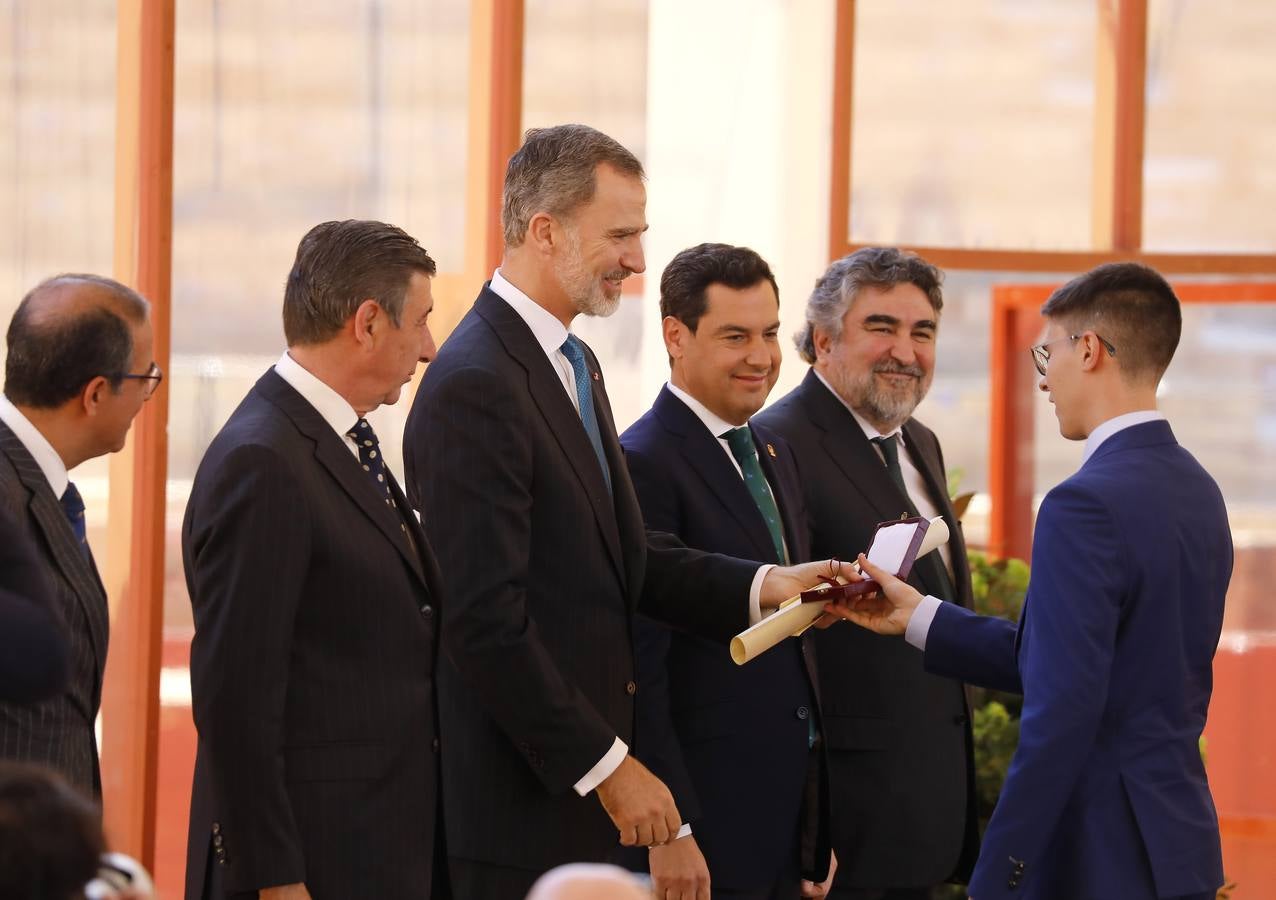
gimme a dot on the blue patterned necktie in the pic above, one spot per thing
(740, 440)
(73, 506)
(365, 439)
(575, 353)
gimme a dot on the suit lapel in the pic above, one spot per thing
(846, 444)
(928, 464)
(334, 456)
(560, 414)
(77, 568)
(795, 534)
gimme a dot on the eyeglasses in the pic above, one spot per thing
(152, 376)
(1041, 355)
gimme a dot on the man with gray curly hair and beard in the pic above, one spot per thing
(899, 739)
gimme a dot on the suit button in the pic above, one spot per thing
(1013, 882)
(631, 688)
(960, 719)
(217, 828)
(434, 744)
(427, 610)
(217, 840)
(221, 856)
(803, 712)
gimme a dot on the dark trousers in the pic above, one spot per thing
(842, 893)
(475, 880)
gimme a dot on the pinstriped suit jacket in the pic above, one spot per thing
(59, 731)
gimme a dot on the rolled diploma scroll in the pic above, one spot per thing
(794, 617)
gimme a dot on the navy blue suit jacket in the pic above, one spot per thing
(1107, 796)
(704, 724)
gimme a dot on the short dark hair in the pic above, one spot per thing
(1129, 305)
(341, 264)
(51, 358)
(686, 280)
(50, 836)
(877, 267)
(555, 172)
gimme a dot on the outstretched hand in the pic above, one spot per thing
(884, 611)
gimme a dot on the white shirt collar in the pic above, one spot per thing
(331, 406)
(1119, 423)
(546, 328)
(869, 429)
(37, 445)
(717, 425)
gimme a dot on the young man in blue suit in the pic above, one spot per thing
(1106, 796)
(704, 472)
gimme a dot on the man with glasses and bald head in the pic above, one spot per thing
(78, 370)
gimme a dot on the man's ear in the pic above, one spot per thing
(94, 393)
(367, 319)
(822, 341)
(543, 232)
(676, 335)
(1091, 351)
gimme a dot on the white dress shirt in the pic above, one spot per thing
(37, 445)
(550, 333)
(331, 406)
(913, 480)
(920, 621)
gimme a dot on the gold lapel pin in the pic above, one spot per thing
(596, 376)
(771, 449)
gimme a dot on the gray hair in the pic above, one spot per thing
(837, 288)
(553, 172)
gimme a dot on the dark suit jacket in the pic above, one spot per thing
(1106, 795)
(59, 731)
(546, 568)
(704, 723)
(312, 667)
(899, 739)
(33, 649)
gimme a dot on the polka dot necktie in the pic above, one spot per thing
(365, 439)
(740, 440)
(73, 506)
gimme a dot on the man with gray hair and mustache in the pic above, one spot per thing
(899, 739)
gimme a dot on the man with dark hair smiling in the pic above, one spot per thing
(704, 472)
(79, 369)
(1106, 795)
(899, 738)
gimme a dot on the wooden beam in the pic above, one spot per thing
(843, 103)
(1065, 261)
(1120, 111)
(135, 563)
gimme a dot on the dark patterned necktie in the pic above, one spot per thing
(365, 439)
(740, 440)
(932, 561)
(73, 506)
(574, 350)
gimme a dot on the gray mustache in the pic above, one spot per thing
(895, 368)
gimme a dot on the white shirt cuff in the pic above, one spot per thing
(684, 831)
(919, 623)
(603, 768)
(755, 596)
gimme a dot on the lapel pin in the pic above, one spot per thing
(596, 377)
(771, 449)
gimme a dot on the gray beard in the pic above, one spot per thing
(585, 291)
(887, 408)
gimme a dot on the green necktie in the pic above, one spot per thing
(890, 452)
(740, 440)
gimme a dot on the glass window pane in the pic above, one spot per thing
(973, 123)
(1209, 183)
(587, 62)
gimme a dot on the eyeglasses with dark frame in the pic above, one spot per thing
(1041, 355)
(152, 376)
